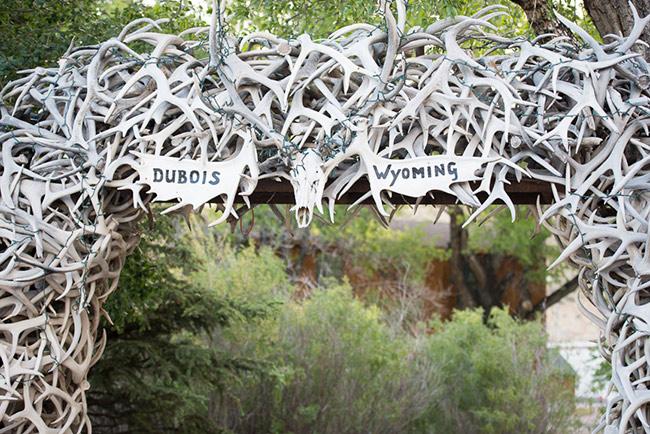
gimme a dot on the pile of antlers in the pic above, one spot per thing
(322, 114)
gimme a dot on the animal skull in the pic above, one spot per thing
(308, 180)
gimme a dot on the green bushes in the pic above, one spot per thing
(498, 377)
(336, 366)
(208, 338)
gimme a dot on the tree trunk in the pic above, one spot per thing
(609, 17)
(457, 241)
(541, 17)
(615, 17)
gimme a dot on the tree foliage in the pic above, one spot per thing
(38, 32)
(160, 358)
(290, 18)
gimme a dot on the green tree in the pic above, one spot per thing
(38, 32)
(160, 364)
(319, 18)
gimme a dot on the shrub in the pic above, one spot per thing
(336, 366)
(337, 369)
(499, 377)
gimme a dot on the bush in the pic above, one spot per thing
(499, 377)
(336, 366)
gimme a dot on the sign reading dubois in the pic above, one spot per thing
(195, 182)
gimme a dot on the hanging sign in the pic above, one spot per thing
(415, 177)
(195, 182)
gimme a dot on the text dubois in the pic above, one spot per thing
(181, 176)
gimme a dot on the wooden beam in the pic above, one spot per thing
(525, 192)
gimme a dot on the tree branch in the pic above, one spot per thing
(555, 297)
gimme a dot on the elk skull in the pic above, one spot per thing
(308, 180)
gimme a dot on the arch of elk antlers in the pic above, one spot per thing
(151, 116)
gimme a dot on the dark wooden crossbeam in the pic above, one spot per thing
(525, 192)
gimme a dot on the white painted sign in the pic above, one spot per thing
(415, 177)
(195, 182)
